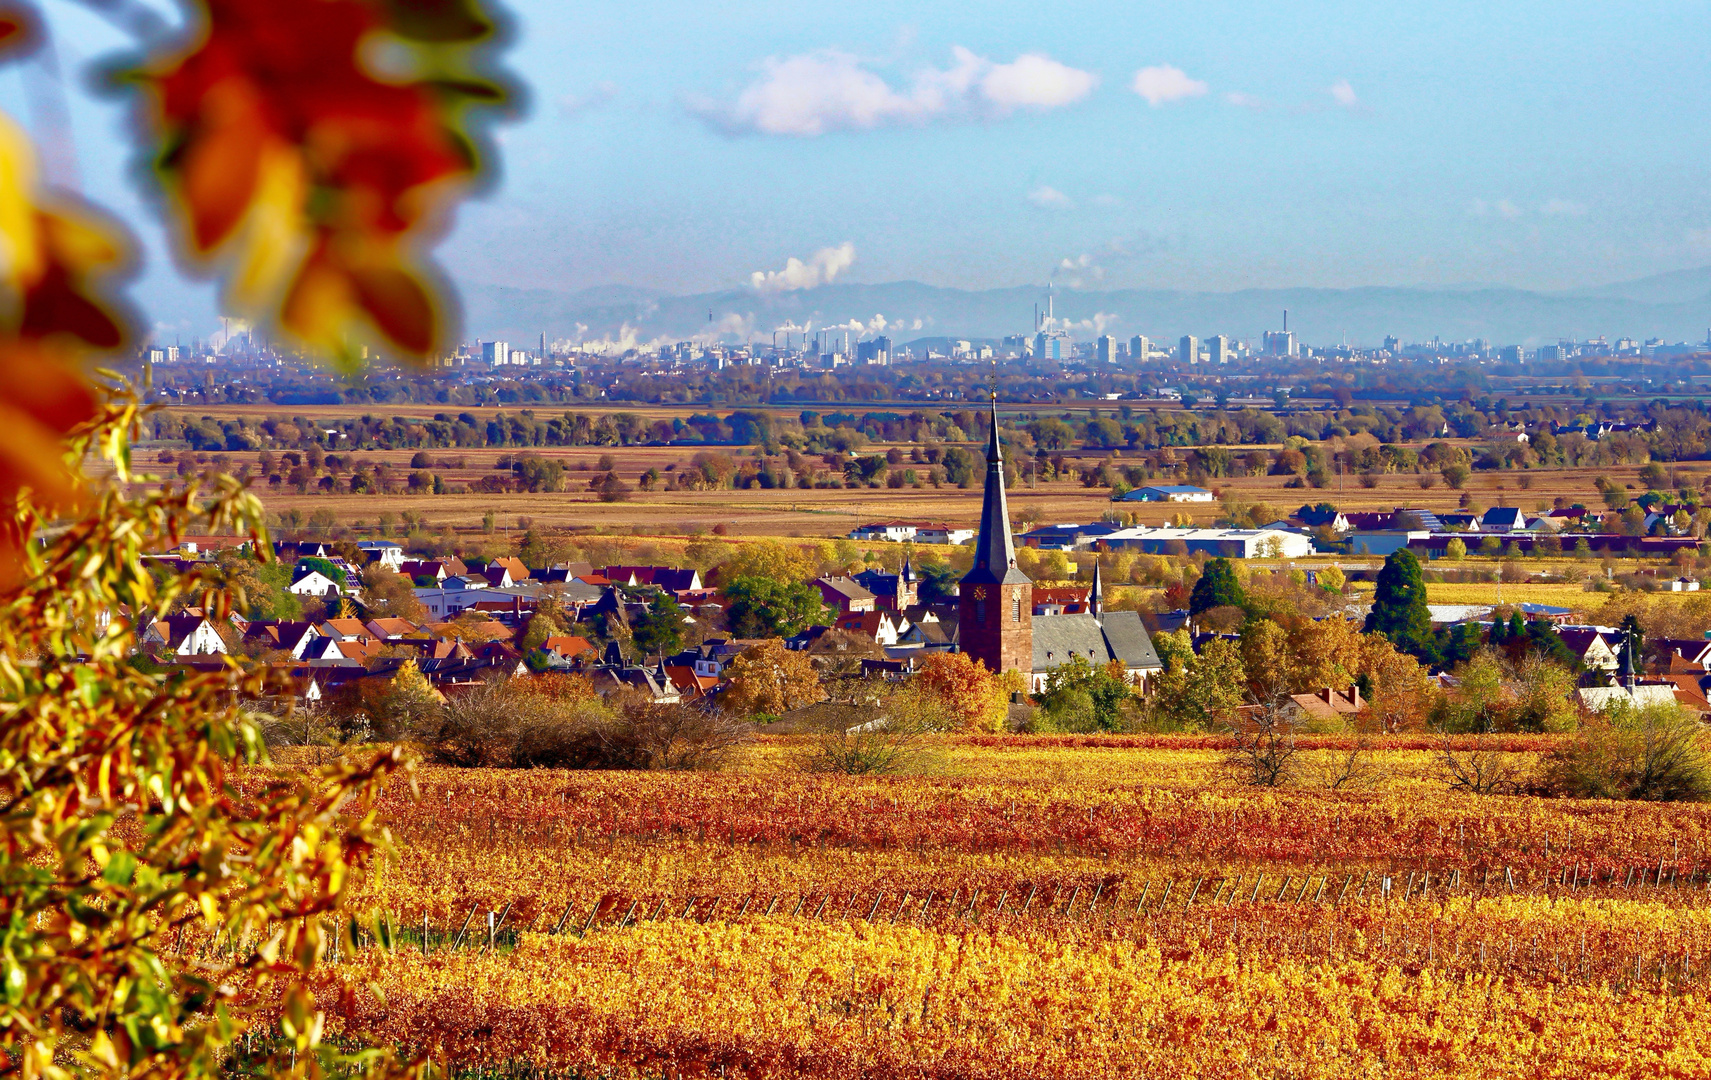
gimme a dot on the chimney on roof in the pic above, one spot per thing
(1354, 695)
(1325, 695)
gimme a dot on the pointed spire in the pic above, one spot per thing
(908, 572)
(994, 551)
(1096, 598)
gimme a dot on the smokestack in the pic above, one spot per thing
(1286, 320)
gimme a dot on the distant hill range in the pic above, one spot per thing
(1674, 306)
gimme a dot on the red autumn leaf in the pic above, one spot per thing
(283, 147)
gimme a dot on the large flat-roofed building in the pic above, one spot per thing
(1229, 543)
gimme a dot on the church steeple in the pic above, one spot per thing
(995, 603)
(1096, 597)
(994, 550)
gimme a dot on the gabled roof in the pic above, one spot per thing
(848, 588)
(1120, 636)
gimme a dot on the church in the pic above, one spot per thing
(995, 606)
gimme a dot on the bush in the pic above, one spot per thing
(1653, 754)
(506, 726)
(892, 733)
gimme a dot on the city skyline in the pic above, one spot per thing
(1225, 148)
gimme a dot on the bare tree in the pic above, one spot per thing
(1265, 747)
(1350, 767)
(1483, 770)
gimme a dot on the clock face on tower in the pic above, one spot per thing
(980, 592)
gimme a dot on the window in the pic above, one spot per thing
(1016, 608)
(980, 612)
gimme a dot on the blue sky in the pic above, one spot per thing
(687, 147)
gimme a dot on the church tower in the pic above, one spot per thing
(995, 608)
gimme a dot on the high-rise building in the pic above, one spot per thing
(874, 351)
(995, 603)
(496, 353)
(1511, 354)
(1106, 349)
(1280, 342)
(1139, 349)
(1393, 345)
(1218, 349)
(1188, 350)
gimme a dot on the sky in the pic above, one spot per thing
(690, 147)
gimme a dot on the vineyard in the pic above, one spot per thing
(1089, 907)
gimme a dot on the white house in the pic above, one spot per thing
(459, 594)
(894, 531)
(943, 534)
(1169, 493)
(185, 635)
(384, 552)
(315, 583)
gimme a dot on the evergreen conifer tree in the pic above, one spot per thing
(1399, 607)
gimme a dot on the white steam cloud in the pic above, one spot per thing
(819, 269)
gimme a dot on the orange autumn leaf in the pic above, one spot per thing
(313, 145)
(52, 313)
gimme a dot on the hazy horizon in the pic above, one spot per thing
(691, 150)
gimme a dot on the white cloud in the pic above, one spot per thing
(1035, 81)
(1563, 208)
(820, 268)
(1344, 94)
(1244, 101)
(830, 90)
(1050, 198)
(1503, 208)
(1163, 84)
(576, 104)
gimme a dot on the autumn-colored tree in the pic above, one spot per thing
(770, 679)
(973, 698)
(769, 560)
(306, 153)
(124, 830)
(390, 595)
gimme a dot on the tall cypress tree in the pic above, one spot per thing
(1399, 607)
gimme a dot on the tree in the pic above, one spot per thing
(782, 563)
(1631, 646)
(770, 679)
(1652, 753)
(1399, 607)
(1332, 579)
(390, 595)
(1106, 695)
(259, 589)
(126, 838)
(769, 607)
(1203, 694)
(1456, 549)
(1217, 587)
(659, 630)
(971, 696)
